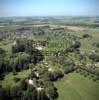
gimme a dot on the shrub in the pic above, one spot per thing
(16, 79)
(94, 57)
(69, 69)
(86, 36)
(55, 75)
(23, 84)
(51, 92)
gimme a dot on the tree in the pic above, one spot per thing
(55, 75)
(96, 44)
(86, 36)
(2, 51)
(19, 61)
(69, 69)
(16, 93)
(30, 94)
(36, 56)
(76, 45)
(41, 95)
(3, 66)
(51, 92)
(23, 85)
(94, 57)
(2, 94)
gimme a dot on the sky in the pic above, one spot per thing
(49, 8)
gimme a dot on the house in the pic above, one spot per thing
(39, 88)
(14, 43)
(32, 82)
(97, 64)
(50, 70)
(39, 48)
(37, 74)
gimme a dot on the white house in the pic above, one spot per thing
(39, 88)
(39, 48)
(31, 82)
(50, 70)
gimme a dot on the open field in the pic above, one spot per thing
(76, 87)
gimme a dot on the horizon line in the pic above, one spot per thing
(52, 16)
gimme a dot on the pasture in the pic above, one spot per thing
(77, 87)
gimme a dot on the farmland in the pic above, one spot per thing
(57, 57)
(78, 86)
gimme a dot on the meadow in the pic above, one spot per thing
(76, 87)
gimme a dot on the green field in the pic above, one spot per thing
(76, 87)
(6, 46)
(9, 82)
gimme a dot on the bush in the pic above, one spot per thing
(52, 92)
(96, 44)
(76, 45)
(23, 85)
(94, 57)
(86, 36)
(16, 93)
(4, 94)
(2, 51)
(55, 75)
(1, 76)
(15, 73)
(69, 69)
(16, 79)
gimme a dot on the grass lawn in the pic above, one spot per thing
(76, 87)
(6, 47)
(9, 82)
